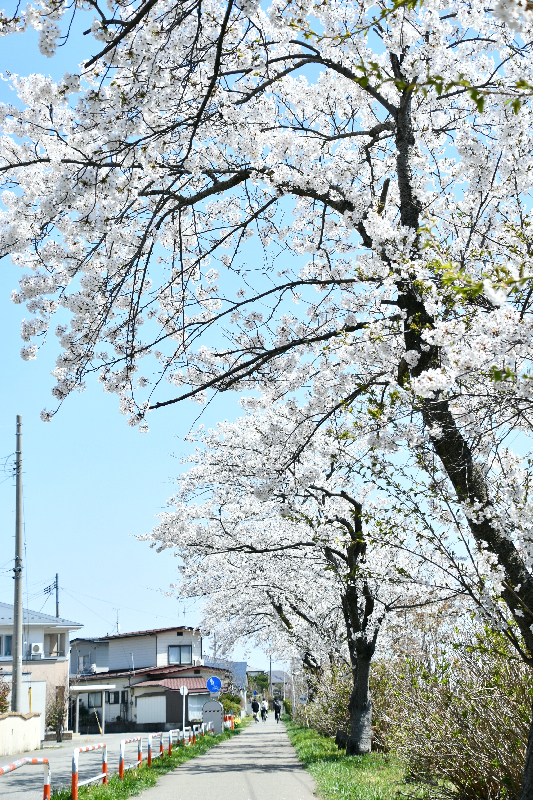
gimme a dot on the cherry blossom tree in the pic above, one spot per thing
(294, 555)
(120, 207)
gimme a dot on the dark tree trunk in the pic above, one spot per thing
(527, 778)
(359, 739)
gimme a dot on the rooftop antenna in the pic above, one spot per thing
(118, 624)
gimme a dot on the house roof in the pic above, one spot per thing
(35, 618)
(118, 673)
(237, 668)
(196, 684)
(150, 632)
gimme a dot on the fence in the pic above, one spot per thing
(121, 765)
(205, 727)
(75, 759)
(174, 731)
(22, 762)
(161, 749)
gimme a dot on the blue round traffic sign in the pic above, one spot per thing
(214, 684)
(255, 691)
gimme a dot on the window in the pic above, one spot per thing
(83, 663)
(196, 704)
(179, 633)
(124, 697)
(95, 699)
(113, 698)
(180, 654)
(7, 645)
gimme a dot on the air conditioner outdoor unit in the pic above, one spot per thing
(37, 650)
(198, 662)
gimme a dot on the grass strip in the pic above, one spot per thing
(137, 780)
(340, 777)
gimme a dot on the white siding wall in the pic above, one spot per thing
(36, 636)
(151, 709)
(98, 654)
(170, 638)
(142, 647)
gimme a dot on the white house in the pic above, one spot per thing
(45, 653)
(147, 669)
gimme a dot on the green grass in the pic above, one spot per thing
(340, 777)
(137, 780)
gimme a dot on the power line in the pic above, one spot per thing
(114, 604)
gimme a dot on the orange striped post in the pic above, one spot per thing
(121, 764)
(161, 749)
(22, 762)
(76, 783)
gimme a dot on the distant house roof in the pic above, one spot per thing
(196, 684)
(150, 632)
(35, 618)
(119, 673)
(237, 668)
(96, 639)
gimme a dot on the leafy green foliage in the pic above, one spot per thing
(340, 777)
(4, 693)
(231, 704)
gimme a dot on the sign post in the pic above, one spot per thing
(214, 685)
(184, 692)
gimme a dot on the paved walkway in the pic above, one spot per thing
(258, 764)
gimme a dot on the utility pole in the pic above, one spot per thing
(57, 595)
(271, 676)
(16, 685)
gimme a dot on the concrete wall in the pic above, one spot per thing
(19, 733)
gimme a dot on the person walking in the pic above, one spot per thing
(264, 710)
(255, 709)
(277, 709)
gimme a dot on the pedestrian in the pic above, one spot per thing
(277, 709)
(255, 709)
(264, 710)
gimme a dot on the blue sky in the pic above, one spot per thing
(91, 483)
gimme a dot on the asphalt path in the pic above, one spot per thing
(258, 764)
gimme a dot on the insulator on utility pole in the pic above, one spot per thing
(16, 686)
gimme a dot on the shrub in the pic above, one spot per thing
(462, 728)
(328, 711)
(4, 694)
(287, 705)
(231, 704)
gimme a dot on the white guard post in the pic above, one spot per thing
(161, 748)
(121, 765)
(22, 762)
(75, 758)
(175, 732)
